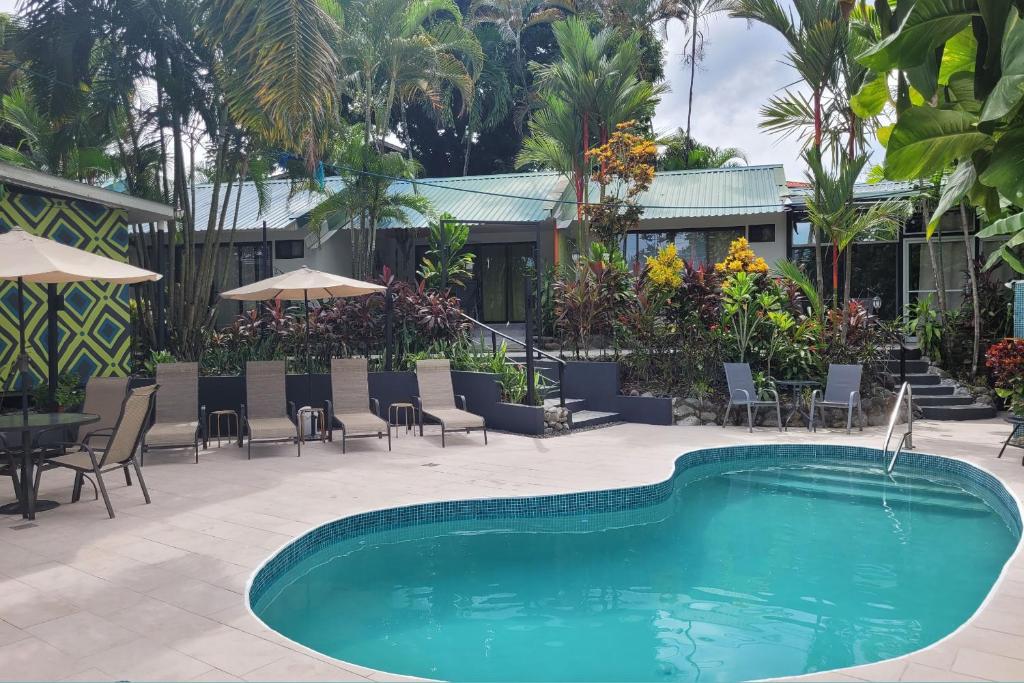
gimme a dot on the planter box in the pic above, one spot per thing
(483, 397)
(598, 384)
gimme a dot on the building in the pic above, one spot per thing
(84, 327)
(522, 220)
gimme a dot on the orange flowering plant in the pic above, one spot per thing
(624, 163)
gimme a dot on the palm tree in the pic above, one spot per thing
(399, 50)
(697, 13)
(584, 95)
(682, 153)
(814, 36)
(834, 211)
(366, 200)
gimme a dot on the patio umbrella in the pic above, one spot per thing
(28, 258)
(304, 283)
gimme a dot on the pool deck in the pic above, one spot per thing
(157, 593)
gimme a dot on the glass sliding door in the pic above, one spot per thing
(919, 278)
(502, 270)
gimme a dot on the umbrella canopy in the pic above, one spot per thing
(302, 284)
(37, 259)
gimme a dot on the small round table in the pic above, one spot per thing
(1017, 423)
(796, 386)
(29, 427)
(396, 410)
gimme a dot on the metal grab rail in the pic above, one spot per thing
(905, 395)
(530, 349)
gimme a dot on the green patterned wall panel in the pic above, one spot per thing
(95, 329)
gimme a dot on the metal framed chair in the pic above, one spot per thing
(742, 392)
(437, 400)
(180, 420)
(351, 407)
(267, 415)
(842, 390)
(124, 442)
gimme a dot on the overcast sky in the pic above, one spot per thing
(742, 68)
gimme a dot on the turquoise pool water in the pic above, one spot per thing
(744, 570)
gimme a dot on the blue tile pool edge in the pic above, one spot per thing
(261, 580)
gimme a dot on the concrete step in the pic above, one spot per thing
(974, 411)
(573, 404)
(592, 418)
(909, 354)
(934, 390)
(943, 400)
(911, 366)
(920, 379)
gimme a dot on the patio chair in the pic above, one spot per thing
(842, 390)
(104, 397)
(352, 408)
(267, 415)
(742, 392)
(125, 439)
(178, 424)
(437, 400)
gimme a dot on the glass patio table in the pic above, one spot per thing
(29, 428)
(796, 386)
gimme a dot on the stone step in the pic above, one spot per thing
(974, 411)
(911, 366)
(943, 400)
(592, 418)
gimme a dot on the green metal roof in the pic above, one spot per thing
(885, 189)
(524, 198)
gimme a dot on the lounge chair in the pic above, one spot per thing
(742, 392)
(125, 439)
(267, 415)
(352, 408)
(842, 390)
(179, 417)
(437, 400)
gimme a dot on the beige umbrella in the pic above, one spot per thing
(27, 258)
(304, 283)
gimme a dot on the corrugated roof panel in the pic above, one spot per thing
(865, 191)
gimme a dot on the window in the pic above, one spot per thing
(698, 247)
(803, 234)
(761, 233)
(289, 248)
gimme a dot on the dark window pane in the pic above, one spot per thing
(289, 248)
(761, 233)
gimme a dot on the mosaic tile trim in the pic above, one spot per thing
(1018, 308)
(528, 512)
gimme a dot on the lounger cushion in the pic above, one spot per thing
(453, 418)
(172, 434)
(272, 428)
(362, 423)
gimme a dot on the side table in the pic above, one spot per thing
(221, 418)
(317, 423)
(796, 387)
(396, 410)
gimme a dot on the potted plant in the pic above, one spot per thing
(69, 393)
(1006, 360)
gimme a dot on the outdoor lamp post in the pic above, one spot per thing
(876, 304)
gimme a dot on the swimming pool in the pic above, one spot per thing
(750, 562)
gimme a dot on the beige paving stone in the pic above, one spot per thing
(81, 634)
(88, 675)
(162, 622)
(231, 650)
(23, 606)
(928, 674)
(195, 596)
(10, 634)
(145, 660)
(988, 665)
(299, 667)
(32, 659)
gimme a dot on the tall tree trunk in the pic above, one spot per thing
(972, 275)
(693, 75)
(469, 145)
(846, 289)
(819, 269)
(938, 276)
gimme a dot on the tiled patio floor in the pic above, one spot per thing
(156, 594)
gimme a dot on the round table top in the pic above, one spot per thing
(797, 382)
(1014, 419)
(40, 421)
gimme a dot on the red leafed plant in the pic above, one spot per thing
(1006, 361)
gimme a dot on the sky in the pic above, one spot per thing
(742, 68)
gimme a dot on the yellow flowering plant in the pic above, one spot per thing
(741, 259)
(665, 269)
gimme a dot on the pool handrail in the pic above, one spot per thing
(905, 394)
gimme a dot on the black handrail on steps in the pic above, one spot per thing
(530, 352)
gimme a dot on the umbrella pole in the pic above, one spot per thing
(22, 355)
(27, 492)
(309, 373)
